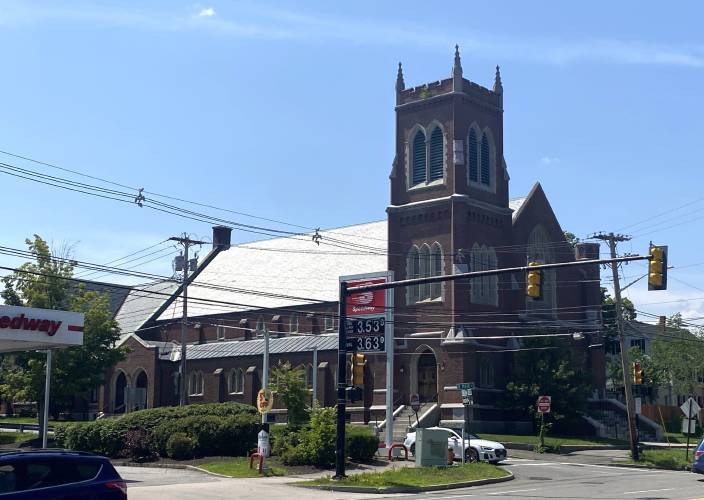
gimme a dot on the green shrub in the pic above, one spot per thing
(361, 446)
(315, 444)
(138, 445)
(107, 436)
(180, 446)
(238, 435)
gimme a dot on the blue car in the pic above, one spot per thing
(59, 474)
(698, 461)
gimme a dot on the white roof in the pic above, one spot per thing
(294, 268)
(515, 204)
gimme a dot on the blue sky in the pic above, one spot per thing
(284, 110)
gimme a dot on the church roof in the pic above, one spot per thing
(284, 345)
(141, 303)
(285, 271)
(516, 204)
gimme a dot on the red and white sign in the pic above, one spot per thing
(27, 328)
(366, 302)
(415, 402)
(544, 404)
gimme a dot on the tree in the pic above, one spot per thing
(571, 239)
(288, 383)
(608, 315)
(550, 369)
(675, 357)
(45, 283)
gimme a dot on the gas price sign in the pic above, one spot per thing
(366, 334)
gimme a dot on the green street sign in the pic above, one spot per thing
(465, 386)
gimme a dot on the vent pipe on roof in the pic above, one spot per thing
(221, 237)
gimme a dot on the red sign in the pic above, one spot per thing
(544, 404)
(366, 302)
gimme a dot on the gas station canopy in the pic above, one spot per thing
(30, 329)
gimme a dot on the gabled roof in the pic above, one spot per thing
(141, 303)
(516, 204)
(237, 348)
(285, 271)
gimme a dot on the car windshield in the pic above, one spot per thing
(458, 433)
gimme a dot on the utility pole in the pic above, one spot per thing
(612, 239)
(186, 242)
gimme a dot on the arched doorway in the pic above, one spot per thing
(119, 394)
(140, 393)
(427, 376)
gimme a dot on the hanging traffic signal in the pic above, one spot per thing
(657, 268)
(357, 370)
(637, 373)
(535, 285)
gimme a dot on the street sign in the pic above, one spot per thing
(369, 315)
(415, 402)
(690, 404)
(265, 400)
(544, 404)
(639, 405)
(467, 400)
(465, 386)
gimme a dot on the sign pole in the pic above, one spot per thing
(390, 346)
(689, 426)
(47, 391)
(341, 383)
(315, 377)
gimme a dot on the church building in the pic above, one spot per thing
(449, 212)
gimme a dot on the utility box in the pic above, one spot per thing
(431, 447)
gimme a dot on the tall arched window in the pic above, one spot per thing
(436, 154)
(419, 158)
(473, 156)
(412, 271)
(309, 376)
(424, 258)
(294, 324)
(486, 373)
(436, 270)
(486, 160)
(236, 381)
(484, 288)
(540, 250)
(260, 326)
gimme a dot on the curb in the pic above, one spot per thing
(407, 489)
(171, 466)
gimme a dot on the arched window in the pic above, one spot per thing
(486, 373)
(486, 160)
(484, 288)
(329, 322)
(309, 376)
(195, 386)
(436, 154)
(294, 324)
(436, 270)
(419, 160)
(540, 250)
(236, 381)
(260, 327)
(412, 271)
(473, 156)
(424, 260)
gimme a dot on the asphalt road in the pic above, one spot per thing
(535, 479)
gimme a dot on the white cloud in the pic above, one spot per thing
(255, 22)
(549, 160)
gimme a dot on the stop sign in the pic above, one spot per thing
(544, 404)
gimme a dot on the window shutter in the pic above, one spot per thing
(473, 167)
(436, 154)
(485, 160)
(419, 158)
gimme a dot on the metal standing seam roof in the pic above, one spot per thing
(141, 303)
(240, 348)
(515, 204)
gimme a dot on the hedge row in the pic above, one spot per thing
(225, 428)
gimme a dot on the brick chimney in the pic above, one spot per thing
(221, 237)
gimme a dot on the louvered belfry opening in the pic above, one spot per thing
(436, 154)
(419, 158)
(473, 162)
(486, 179)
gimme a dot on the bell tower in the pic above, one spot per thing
(449, 190)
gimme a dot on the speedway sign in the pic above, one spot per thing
(28, 328)
(369, 314)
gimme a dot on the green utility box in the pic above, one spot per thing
(431, 447)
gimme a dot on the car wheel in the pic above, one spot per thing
(412, 449)
(471, 455)
(494, 462)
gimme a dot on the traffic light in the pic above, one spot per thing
(657, 268)
(637, 373)
(357, 370)
(535, 285)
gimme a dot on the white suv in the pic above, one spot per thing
(474, 448)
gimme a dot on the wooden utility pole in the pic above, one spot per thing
(186, 242)
(612, 239)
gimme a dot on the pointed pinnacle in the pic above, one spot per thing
(400, 84)
(498, 87)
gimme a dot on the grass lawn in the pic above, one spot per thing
(677, 437)
(23, 420)
(549, 440)
(15, 437)
(239, 467)
(666, 459)
(416, 476)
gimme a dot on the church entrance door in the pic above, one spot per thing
(427, 377)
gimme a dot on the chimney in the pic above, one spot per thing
(661, 323)
(221, 237)
(586, 251)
